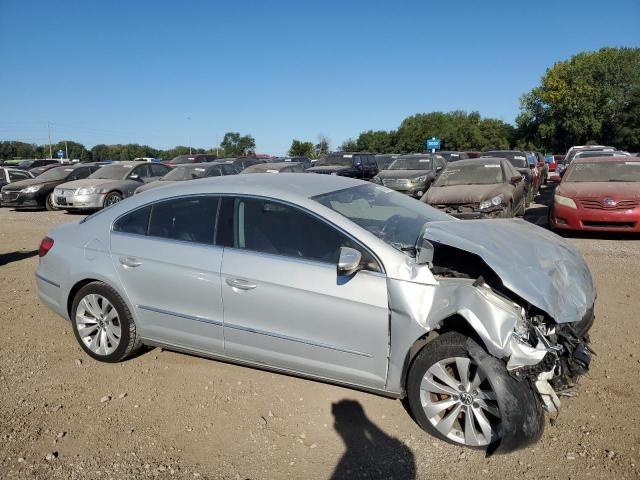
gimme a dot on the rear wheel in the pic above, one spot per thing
(103, 324)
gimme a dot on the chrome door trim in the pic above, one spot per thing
(197, 318)
(296, 339)
(265, 366)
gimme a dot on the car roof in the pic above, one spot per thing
(608, 159)
(290, 186)
(475, 161)
(272, 166)
(127, 163)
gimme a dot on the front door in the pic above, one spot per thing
(170, 270)
(285, 305)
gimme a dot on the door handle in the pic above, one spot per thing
(240, 284)
(130, 262)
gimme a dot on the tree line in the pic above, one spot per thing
(593, 97)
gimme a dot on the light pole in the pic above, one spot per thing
(189, 128)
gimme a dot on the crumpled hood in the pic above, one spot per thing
(532, 262)
(461, 194)
(87, 182)
(402, 173)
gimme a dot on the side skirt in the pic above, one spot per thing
(264, 366)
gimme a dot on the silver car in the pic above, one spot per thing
(107, 186)
(478, 324)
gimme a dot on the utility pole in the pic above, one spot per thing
(49, 129)
(66, 150)
(217, 144)
(189, 127)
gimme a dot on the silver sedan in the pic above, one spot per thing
(477, 324)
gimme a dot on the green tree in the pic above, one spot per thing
(301, 149)
(378, 141)
(235, 144)
(592, 97)
(349, 145)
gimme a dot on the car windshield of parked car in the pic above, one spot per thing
(517, 159)
(112, 172)
(185, 172)
(471, 174)
(53, 174)
(411, 164)
(25, 163)
(391, 216)
(603, 172)
(335, 160)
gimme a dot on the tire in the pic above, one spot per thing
(111, 198)
(522, 210)
(103, 324)
(482, 409)
(48, 203)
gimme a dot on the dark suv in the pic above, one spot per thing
(347, 164)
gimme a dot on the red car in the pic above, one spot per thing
(598, 194)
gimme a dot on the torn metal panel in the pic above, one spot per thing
(535, 264)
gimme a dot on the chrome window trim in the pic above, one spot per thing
(187, 316)
(237, 195)
(297, 339)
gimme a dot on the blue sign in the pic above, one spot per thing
(60, 154)
(432, 143)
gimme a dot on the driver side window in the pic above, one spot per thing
(275, 228)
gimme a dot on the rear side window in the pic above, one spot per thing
(16, 176)
(135, 222)
(158, 170)
(229, 170)
(214, 172)
(188, 219)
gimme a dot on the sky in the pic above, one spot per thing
(166, 73)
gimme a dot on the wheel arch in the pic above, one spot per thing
(454, 323)
(73, 291)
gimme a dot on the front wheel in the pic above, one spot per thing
(459, 393)
(48, 203)
(103, 324)
(112, 198)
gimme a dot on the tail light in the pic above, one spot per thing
(45, 245)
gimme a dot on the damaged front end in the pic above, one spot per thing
(526, 296)
(471, 211)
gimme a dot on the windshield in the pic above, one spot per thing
(340, 160)
(596, 154)
(603, 172)
(185, 172)
(415, 163)
(112, 172)
(26, 163)
(391, 216)
(54, 174)
(471, 174)
(517, 159)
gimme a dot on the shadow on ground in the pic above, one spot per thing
(371, 453)
(7, 258)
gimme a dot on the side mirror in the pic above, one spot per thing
(349, 261)
(516, 179)
(425, 253)
(135, 177)
(438, 168)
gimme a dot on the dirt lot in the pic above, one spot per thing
(168, 415)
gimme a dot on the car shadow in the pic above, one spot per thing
(370, 453)
(6, 258)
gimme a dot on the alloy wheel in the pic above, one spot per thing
(98, 324)
(460, 403)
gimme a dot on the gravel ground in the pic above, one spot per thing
(168, 415)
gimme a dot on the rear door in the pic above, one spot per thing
(284, 304)
(170, 269)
